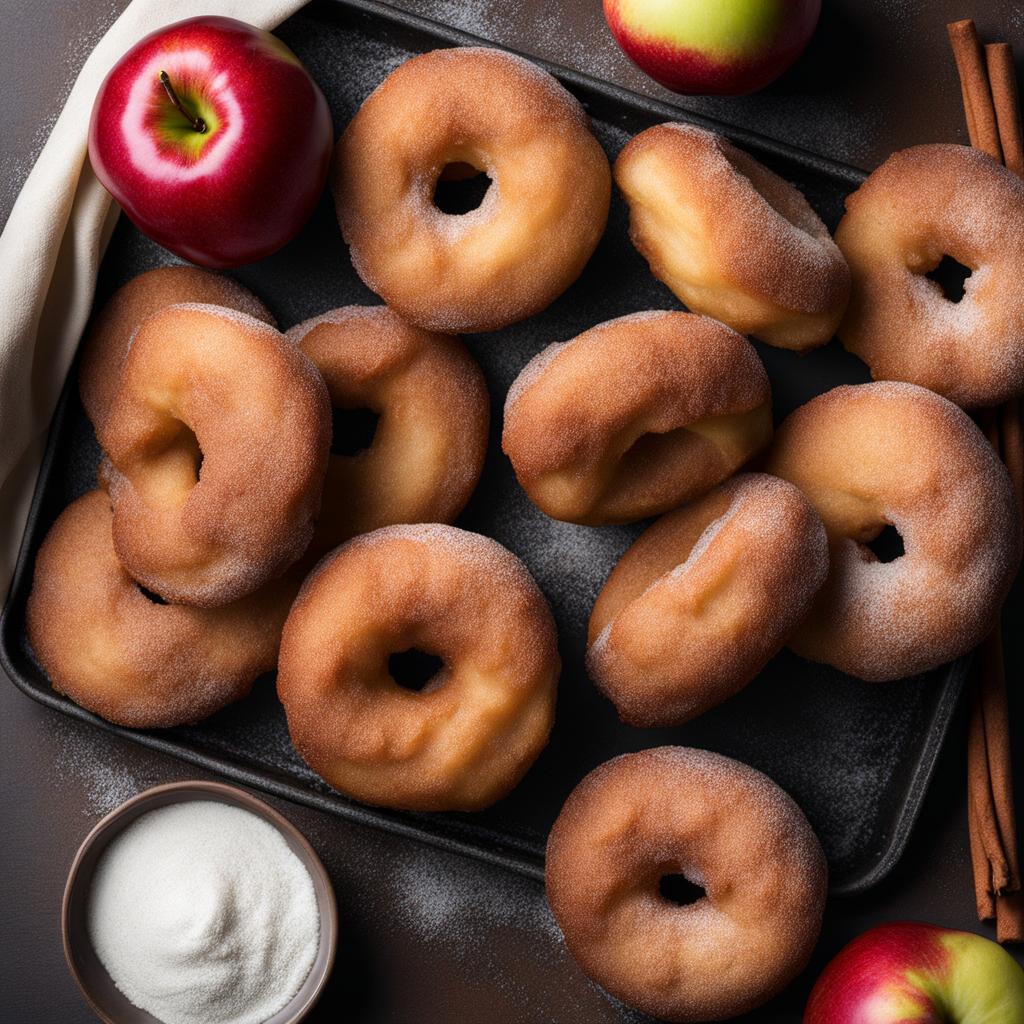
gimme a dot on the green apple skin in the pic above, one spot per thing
(910, 973)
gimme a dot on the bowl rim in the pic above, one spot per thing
(216, 791)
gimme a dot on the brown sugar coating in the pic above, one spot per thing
(119, 654)
(890, 454)
(431, 436)
(723, 579)
(635, 416)
(731, 238)
(110, 334)
(538, 223)
(725, 827)
(922, 204)
(217, 445)
(466, 738)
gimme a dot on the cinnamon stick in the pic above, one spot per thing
(974, 84)
(1002, 77)
(983, 898)
(991, 107)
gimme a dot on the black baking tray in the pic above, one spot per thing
(857, 757)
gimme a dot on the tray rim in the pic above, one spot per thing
(508, 857)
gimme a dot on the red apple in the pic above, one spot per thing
(911, 973)
(719, 47)
(214, 140)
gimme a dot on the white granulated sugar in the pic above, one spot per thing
(202, 915)
(108, 774)
(442, 902)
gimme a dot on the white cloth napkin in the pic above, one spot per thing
(50, 251)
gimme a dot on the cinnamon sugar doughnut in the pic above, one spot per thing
(635, 416)
(431, 436)
(922, 204)
(725, 827)
(470, 734)
(119, 654)
(110, 333)
(731, 238)
(873, 455)
(217, 445)
(724, 579)
(538, 223)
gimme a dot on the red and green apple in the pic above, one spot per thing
(909, 973)
(713, 47)
(214, 140)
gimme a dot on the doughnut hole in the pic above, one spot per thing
(461, 187)
(353, 430)
(416, 670)
(675, 888)
(683, 462)
(886, 545)
(951, 276)
(170, 464)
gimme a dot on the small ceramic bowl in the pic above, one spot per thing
(96, 984)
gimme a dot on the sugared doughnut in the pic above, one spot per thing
(466, 738)
(635, 416)
(889, 454)
(431, 436)
(922, 204)
(138, 663)
(110, 333)
(731, 238)
(539, 220)
(704, 598)
(728, 830)
(217, 444)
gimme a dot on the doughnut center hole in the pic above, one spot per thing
(352, 430)
(653, 448)
(887, 546)
(951, 277)
(149, 595)
(460, 188)
(414, 669)
(678, 889)
(188, 444)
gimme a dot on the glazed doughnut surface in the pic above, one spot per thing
(431, 436)
(729, 830)
(922, 204)
(731, 238)
(873, 455)
(539, 221)
(133, 661)
(111, 331)
(465, 739)
(217, 445)
(725, 579)
(635, 416)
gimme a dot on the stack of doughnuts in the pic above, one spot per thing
(234, 528)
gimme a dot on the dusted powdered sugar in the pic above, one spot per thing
(202, 915)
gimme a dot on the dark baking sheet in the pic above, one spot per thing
(857, 757)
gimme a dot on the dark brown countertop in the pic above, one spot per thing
(429, 937)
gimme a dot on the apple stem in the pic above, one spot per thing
(197, 122)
